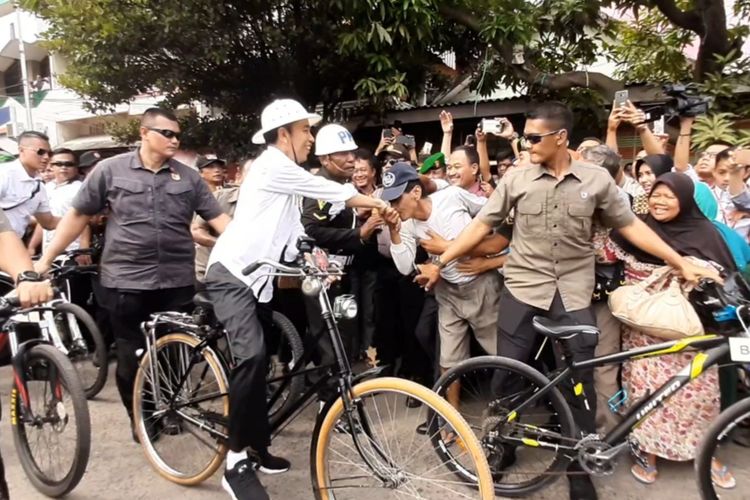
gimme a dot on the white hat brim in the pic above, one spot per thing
(312, 118)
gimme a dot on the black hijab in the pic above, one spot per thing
(689, 234)
(660, 164)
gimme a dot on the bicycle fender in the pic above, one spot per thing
(367, 374)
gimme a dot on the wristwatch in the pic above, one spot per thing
(28, 276)
(440, 264)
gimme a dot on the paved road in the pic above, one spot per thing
(118, 469)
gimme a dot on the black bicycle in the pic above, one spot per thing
(363, 439)
(49, 414)
(525, 424)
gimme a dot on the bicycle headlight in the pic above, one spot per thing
(345, 306)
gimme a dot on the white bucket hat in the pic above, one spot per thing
(282, 112)
(333, 138)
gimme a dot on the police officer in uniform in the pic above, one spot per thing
(337, 229)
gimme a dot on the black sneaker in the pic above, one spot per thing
(581, 487)
(242, 483)
(422, 428)
(269, 464)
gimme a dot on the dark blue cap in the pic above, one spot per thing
(395, 180)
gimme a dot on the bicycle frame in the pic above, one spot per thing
(711, 349)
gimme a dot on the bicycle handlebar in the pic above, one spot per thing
(296, 271)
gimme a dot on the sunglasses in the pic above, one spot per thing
(537, 138)
(64, 164)
(169, 134)
(40, 151)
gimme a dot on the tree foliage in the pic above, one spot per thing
(237, 54)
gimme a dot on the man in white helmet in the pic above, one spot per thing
(267, 225)
(341, 232)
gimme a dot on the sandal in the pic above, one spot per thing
(722, 478)
(645, 475)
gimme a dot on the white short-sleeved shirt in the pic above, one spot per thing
(60, 201)
(21, 196)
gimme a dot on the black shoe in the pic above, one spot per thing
(500, 458)
(242, 483)
(269, 464)
(422, 428)
(581, 487)
(413, 403)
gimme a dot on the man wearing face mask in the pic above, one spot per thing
(266, 225)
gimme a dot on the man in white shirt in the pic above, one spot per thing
(266, 224)
(22, 193)
(60, 193)
(464, 300)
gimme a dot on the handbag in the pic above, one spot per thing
(607, 279)
(665, 314)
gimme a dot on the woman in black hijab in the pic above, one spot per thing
(648, 168)
(673, 431)
(676, 218)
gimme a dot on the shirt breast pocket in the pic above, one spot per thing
(580, 218)
(529, 217)
(130, 200)
(179, 199)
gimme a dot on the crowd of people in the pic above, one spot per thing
(449, 255)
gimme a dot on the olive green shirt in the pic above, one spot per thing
(551, 249)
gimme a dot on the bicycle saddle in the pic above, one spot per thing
(548, 328)
(201, 300)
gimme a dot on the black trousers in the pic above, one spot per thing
(127, 309)
(237, 309)
(427, 333)
(517, 339)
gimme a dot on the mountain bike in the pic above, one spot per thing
(68, 326)
(525, 424)
(363, 438)
(49, 414)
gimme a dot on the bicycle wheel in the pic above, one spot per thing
(185, 440)
(726, 440)
(284, 349)
(549, 421)
(54, 441)
(85, 344)
(387, 454)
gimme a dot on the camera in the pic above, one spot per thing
(491, 126)
(406, 140)
(685, 101)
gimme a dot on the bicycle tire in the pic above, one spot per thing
(556, 399)
(719, 428)
(69, 380)
(165, 470)
(99, 359)
(324, 431)
(292, 339)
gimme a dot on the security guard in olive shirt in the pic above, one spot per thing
(335, 227)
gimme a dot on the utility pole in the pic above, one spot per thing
(24, 73)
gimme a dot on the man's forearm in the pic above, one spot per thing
(362, 201)
(70, 227)
(642, 236)
(14, 258)
(490, 245)
(445, 146)
(201, 235)
(682, 147)
(484, 161)
(651, 144)
(469, 238)
(47, 220)
(611, 140)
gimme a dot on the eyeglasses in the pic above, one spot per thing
(537, 138)
(64, 164)
(39, 152)
(169, 134)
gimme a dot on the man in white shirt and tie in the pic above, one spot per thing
(266, 224)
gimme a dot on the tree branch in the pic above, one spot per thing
(689, 20)
(531, 74)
